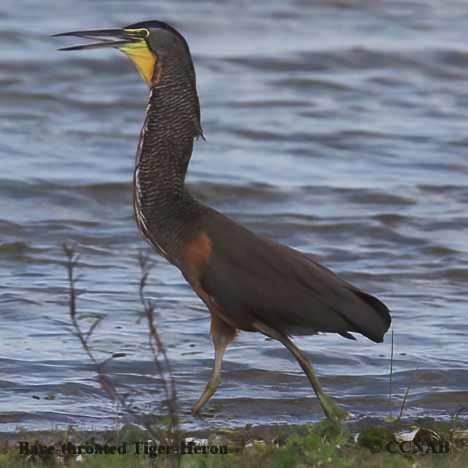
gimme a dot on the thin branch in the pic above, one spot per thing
(157, 347)
(106, 384)
(154, 340)
(404, 401)
(391, 373)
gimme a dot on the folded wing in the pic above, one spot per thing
(254, 279)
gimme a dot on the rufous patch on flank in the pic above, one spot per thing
(195, 254)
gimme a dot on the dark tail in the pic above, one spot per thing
(382, 320)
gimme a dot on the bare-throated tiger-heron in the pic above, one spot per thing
(247, 281)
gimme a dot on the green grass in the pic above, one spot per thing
(324, 444)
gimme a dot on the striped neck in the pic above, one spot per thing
(166, 213)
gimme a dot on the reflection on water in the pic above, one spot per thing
(337, 128)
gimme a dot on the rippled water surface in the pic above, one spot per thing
(337, 127)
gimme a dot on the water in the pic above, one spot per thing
(339, 128)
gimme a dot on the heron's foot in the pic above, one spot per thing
(209, 391)
(332, 412)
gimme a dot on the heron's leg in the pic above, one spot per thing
(329, 408)
(221, 335)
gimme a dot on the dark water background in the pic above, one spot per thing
(337, 127)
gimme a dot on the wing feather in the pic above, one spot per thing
(253, 278)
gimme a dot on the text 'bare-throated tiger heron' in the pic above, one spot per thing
(247, 281)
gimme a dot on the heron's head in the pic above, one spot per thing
(145, 43)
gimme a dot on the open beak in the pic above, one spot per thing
(130, 41)
(107, 38)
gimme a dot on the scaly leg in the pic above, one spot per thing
(221, 335)
(329, 408)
